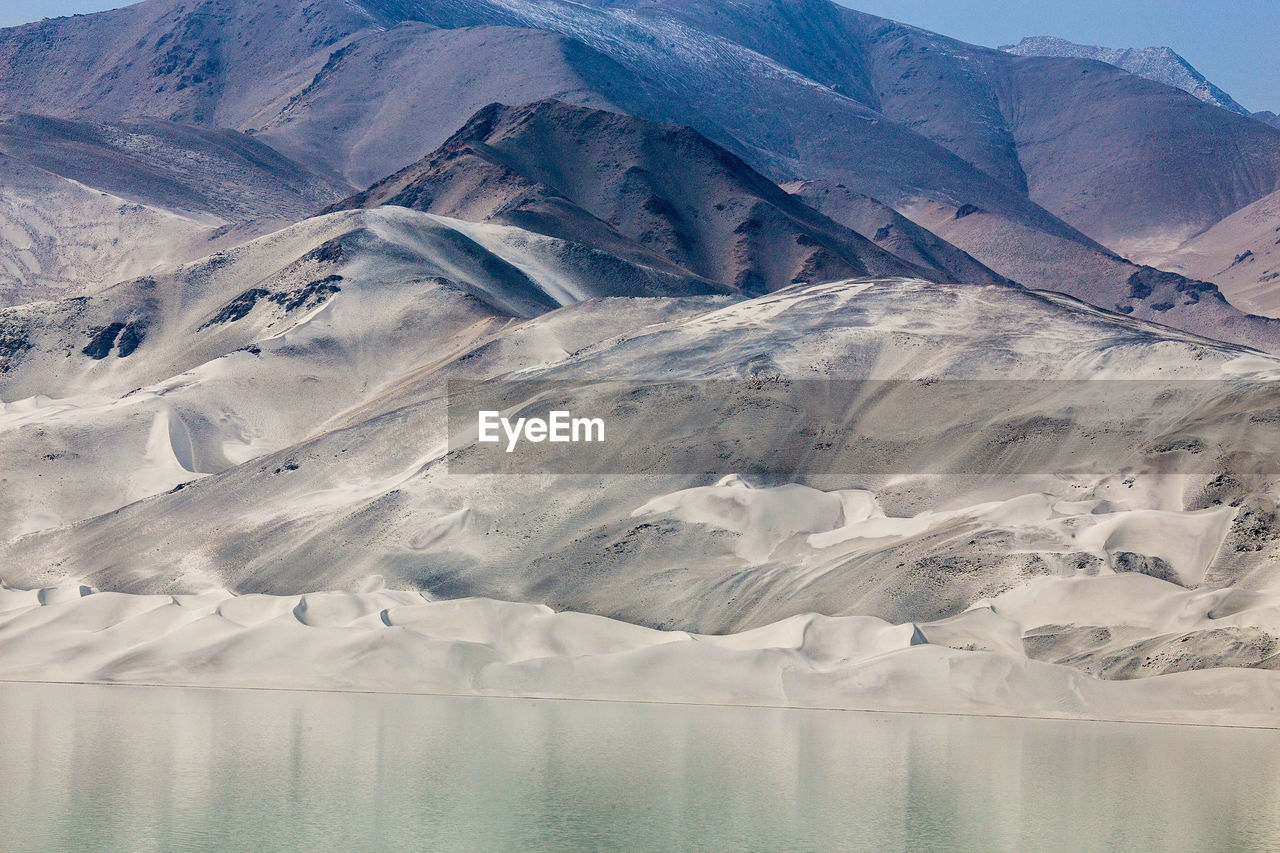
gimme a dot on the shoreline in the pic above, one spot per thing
(675, 703)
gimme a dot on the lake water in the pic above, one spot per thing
(136, 768)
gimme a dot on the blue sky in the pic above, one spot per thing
(1235, 45)
(14, 12)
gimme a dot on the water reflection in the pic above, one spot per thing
(133, 768)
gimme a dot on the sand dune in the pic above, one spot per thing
(365, 488)
(385, 641)
(231, 459)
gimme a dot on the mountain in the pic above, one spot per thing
(1268, 118)
(86, 205)
(1062, 132)
(893, 232)
(1071, 129)
(774, 245)
(661, 194)
(324, 92)
(1160, 64)
(303, 445)
(957, 238)
(1101, 278)
(801, 90)
(634, 188)
(1241, 254)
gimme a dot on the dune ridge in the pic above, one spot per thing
(402, 642)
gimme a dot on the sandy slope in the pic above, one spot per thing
(1240, 254)
(59, 238)
(401, 642)
(347, 486)
(83, 206)
(161, 380)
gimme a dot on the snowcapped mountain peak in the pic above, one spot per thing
(1161, 64)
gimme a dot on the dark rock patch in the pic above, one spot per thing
(102, 340)
(130, 339)
(311, 294)
(1127, 561)
(330, 252)
(238, 308)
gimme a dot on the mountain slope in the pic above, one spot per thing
(1159, 166)
(915, 120)
(1064, 130)
(212, 62)
(1161, 64)
(1240, 254)
(765, 107)
(389, 98)
(893, 232)
(86, 205)
(205, 366)
(782, 122)
(58, 238)
(1129, 162)
(631, 187)
(188, 170)
(1044, 262)
(368, 495)
(799, 88)
(1267, 117)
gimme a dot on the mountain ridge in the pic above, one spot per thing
(912, 119)
(1161, 64)
(612, 207)
(614, 180)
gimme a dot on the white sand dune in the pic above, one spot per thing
(238, 468)
(394, 293)
(311, 447)
(387, 641)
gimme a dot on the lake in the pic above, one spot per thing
(141, 768)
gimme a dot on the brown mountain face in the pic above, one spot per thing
(363, 88)
(801, 89)
(634, 188)
(892, 231)
(1071, 163)
(1127, 161)
(1241, 254)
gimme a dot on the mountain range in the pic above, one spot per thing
(249, 252)
(1161, 64)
